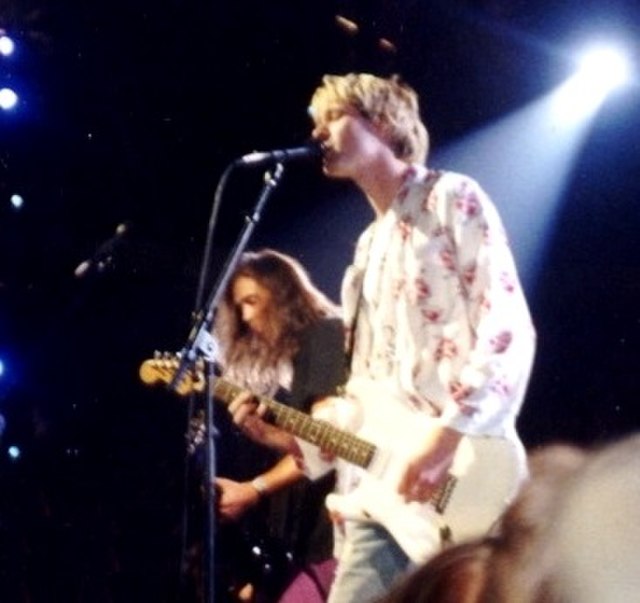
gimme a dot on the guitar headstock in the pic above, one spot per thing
(163, 367)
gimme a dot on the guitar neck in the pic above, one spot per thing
(330, 439)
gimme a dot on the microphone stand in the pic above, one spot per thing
(201, 344)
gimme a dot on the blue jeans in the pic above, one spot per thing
(369, 564)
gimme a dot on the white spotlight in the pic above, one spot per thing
(6, 45)
(17, 201)
(8, 98)
(605, 68)
(601, 70)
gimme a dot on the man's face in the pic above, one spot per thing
(348, 139)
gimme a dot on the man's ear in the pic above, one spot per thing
(382, 129)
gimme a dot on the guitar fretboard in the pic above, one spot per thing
(320, 433)
(341, 443)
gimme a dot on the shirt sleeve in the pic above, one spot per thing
(488, 389)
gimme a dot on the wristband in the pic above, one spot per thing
(260, 485)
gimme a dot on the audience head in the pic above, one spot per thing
(570, 536)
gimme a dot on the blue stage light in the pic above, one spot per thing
(8, 99)
(7, 46)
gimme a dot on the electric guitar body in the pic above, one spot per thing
(485, 477)
(373, 448)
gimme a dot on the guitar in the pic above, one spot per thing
(484, 478)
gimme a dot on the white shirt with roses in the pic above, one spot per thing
(442, 319)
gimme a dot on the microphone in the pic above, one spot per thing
(311, 150)
(103, 257)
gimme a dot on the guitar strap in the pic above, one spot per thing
(354, 321)
(434, 176)
(352, 332)
(359, 303)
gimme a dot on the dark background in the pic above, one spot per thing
(130, 113)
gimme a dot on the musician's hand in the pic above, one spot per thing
(248, 415)
(234, 499)
(430, 466)
(244, 405)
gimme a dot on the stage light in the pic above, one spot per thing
(14, 453)
(17, 201)
(387, 45)
(347, 25)
(601, 70)
(7, 45)
(8, 99)
(1, 368)
(604, 68)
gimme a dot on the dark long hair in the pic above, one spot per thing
(295, 304)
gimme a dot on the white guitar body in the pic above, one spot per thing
(484, 478)
(487, 473)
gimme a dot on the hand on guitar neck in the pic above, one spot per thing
(249, 415)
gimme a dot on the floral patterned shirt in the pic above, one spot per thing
(441, 316)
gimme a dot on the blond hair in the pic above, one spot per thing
(389, 103)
